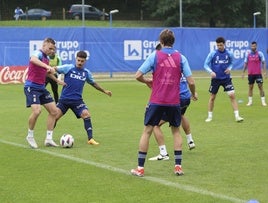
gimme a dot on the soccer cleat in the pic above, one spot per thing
(191, 145)
(92, 142)
(264, 104)
(208, 119)
(178, 170)
(159, 157)
(249, 104)
(239, 119)
(31, 142)
(137, 172)
(50, 143)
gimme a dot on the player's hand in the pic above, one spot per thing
(213, 74)
(109, 93)
(227, 71)
(61, 83)
(51, 70)
(195, 96)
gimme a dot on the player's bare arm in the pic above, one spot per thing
(96, 86)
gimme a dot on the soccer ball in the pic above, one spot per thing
(67, 141)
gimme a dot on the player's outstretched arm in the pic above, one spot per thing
(98, 87)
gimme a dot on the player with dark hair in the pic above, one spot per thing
(36, 93)
(219, 64)
(167, 65)
(256, 65)
(75, 77)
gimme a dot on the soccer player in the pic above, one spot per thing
(36, 93)
(256, 65)
(185, 100)
(75, 77)
(219, 64)
(54, 60)
(167, 65)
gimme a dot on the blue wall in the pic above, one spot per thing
(124, 49)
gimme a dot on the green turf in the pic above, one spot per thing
(229, 163)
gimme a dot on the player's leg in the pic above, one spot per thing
(251, 81)
(187, 129)
(85, 115)
(51, 119)
(214, 87)
(159, 137)
(32, 100)
(259, 81)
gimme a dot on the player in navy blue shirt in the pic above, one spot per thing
(219, 64)
(75, 77)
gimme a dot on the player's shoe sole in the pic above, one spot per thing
(191, 145)
(137, 172)
(92, 142)
(178, 170)
(31, 142)
(50, 143)
(159, 157)
(239, 119)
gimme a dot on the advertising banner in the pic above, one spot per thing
(119, 49)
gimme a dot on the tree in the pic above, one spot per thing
(207, 13)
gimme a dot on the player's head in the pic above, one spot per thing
(167, 38)
(81, 58)
(220, 41)
(254, 46)
(49, 46)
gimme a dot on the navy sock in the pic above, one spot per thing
(141, 158)
(88, 127)
(178, 157)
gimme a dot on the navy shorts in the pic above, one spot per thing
(154, 114)
(184, 105)
(225, 83)
(76, 106)
(37, 96)
(253, 78)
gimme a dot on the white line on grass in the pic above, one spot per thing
(150, 178)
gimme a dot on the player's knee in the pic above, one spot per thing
(231, 93)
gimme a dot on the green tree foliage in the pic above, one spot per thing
(207, 13)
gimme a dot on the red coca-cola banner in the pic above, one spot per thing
(13, 74)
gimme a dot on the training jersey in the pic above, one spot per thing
(75, 79)
(36, 74)
(166, 66)
(218, 61)
(55, 61)
(184, 90)
(254, 61)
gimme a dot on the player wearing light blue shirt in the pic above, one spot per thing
(75, 77)
(150, 63)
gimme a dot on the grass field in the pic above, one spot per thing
(229, 163)
(75, 23)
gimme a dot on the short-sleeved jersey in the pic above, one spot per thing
(75, 79)
(166, 78)
(184, 90)
(36, 74)
(218, 61)
(254, 61)
(55, 61)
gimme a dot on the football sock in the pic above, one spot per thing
(249, 99)
(210, 114)
(236, 113)
(263, 99)
(30, 133)
(49, 134)
(141, 158)
(189, 138)
(178, 157)
(163, 150)
(88, 127)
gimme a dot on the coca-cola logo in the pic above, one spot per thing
(13, 74)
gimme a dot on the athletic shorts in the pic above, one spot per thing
(76, 106)
(154, 114)
(37, 96)
(184, 105)
(253, 78)
(225, 83)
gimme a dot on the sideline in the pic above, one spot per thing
(118, 170)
